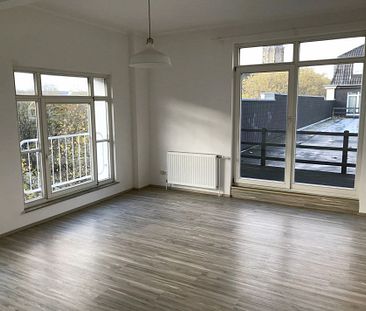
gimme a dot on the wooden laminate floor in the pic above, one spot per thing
(168, 250)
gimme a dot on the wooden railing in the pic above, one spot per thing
(263, 144)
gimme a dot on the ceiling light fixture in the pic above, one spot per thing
(149, 57)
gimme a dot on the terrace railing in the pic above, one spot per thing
(263, 144)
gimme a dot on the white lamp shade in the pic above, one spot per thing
(149, 58)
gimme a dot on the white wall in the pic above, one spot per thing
(191, 102)
(33, 38)
(139, 98)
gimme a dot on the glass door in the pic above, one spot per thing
(297, 112)
(70, 148)
(327, 128)
(263, 124)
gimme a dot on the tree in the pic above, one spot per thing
(310, 83)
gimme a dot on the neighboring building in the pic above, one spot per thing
(273, 54)
(345, 87)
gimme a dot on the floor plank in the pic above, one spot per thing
(170, 250)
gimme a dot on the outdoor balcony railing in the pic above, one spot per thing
(69, 162)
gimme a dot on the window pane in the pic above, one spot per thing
(64, 86)
(29, 144)
(328, 109)
(32, 172)
(104, 168)
(101, 119)
(28, 125)
(337, 48)
(357, 69)
(263, 125)
(266, 54)
(100, 88)
(24, 83)
(70, 145)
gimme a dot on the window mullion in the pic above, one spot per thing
(69, 99)
(292, 117)
(94, 134)
(333, 61)
(44, 138)
(110, 129)
(106, 140)
(101, 98)
(360, 156)
(43, 142)
(45, 154)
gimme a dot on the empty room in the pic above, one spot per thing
(182, 155)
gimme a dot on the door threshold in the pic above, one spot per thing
(296, 199)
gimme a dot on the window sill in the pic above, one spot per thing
(68, 197)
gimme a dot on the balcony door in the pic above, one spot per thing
(264, 122)
(297, 113)
(70, 145)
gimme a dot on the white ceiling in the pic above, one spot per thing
(178, 15)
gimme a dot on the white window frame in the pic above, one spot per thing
(293, 68)
(41, 102)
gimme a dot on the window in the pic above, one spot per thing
(266, 54)
(357, 68)
(24, 83)
(103, 139)
(328, 49)
(54, 85)
(327, 138)
(69, 144)
(298, 112)
(64, 127)
(30, 149)
(263, 122)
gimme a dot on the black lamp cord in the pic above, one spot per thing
(149, 39)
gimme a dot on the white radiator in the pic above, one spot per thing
(193, 170)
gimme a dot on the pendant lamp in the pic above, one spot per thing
(149, 57)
